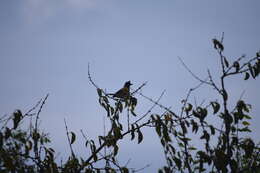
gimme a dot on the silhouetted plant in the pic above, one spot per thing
(224, 147)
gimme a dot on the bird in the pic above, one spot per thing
(124, 92)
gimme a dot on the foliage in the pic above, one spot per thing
(224, 149)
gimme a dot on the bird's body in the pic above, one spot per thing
(124, 92)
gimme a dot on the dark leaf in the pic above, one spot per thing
(115, 150)
(226, 62)
(99, 91)
(117, 133)
(194, 126)
(251, 70)
(140, 136)
(7, 133)
(124, 170)
(245, 129)
(215, 106)
(247, 116)
(246, 76)
(183, 127)
(133, 101)
(192, 148)
(245, 123)
(236, 66)
(132, 132)
(133, 113)
(212, 130)
(73, 137)
(188, 108)
(233, 166)
(166, 134)
(17, 118)
(218, 45)
(177, 162)
(158, 129)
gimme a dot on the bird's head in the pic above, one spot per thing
(128, 84)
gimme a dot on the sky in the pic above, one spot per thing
(46, 45)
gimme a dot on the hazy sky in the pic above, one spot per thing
(45, 46)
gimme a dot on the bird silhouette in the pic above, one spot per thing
(124, 92)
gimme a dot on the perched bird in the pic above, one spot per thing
(124, 92)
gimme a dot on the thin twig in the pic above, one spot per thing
(149, 110)
(140, 169)
(195, 76)
(139, 88)
(67, 133)
(36, 139)
(213, 83)
(188, 95)
(90, 79)
(160, 105)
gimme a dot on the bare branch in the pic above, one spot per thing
(149, 110)
(195, 76)
(139, 88)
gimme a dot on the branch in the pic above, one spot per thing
(139, 88)
(36, 139)
(149, 110)
(67, 133)
(160, 105)
(195, 76)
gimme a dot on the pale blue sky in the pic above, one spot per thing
(45, 46)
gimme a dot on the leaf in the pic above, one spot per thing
(166, 134)
(183, 127)
(236, 65)
(188, 108)
(226, 62)
(256, 70)
(17, 118)
(8, 133)
(133, 101)
(233, 165)
(124, 170)
(215, 106)
(140, 136)
(258, 54)
(120, 107)
(73, 137)
(245, 123)
(192, 148)
(212, 130)
(99, 91)
(132, 132)
(194, 126)
(246, 76)
(218, 45)
(158, 129)
(133, 113)
(86, 144)
(245, 129)
(247, 116)
(29, 144)
(251, 70)
(178, 162)
(117, 133)
(112, 110)
(115, 150)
